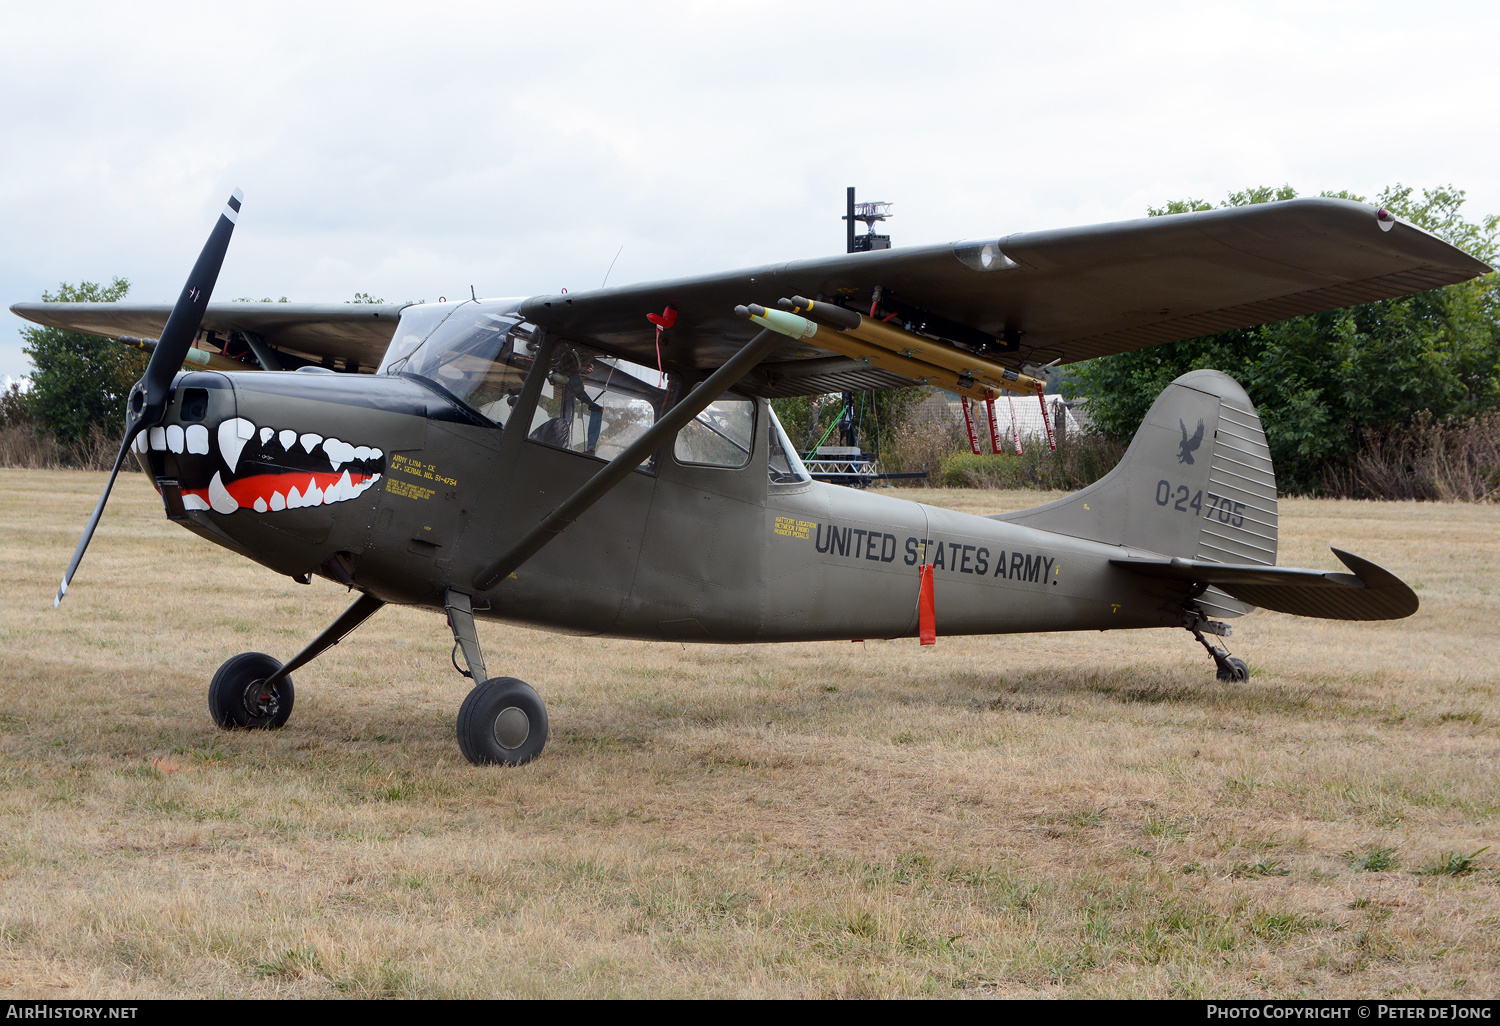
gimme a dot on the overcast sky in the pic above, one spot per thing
(412, 150)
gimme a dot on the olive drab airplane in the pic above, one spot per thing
(607, 463)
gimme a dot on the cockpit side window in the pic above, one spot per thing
(720, 436)
(595, 404)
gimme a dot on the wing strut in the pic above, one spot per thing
(596, 487)
(336, 632)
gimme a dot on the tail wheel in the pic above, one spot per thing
(239, 699)
(1234, 670)
(502, 721)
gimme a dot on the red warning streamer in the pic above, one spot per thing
(969, 423)
(663, 321)
(1015, 427)
(927, 608)
(989, 405)
(1047, 422)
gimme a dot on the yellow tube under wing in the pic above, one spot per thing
(846, 344)
(932, 352)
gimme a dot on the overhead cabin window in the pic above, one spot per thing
(784, 466)
(720, 436)
(480, 356)
(595, 404)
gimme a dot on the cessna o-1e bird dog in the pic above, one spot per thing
(634, 423)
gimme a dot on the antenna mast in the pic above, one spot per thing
(869, 213)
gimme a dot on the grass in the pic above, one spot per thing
(1373, 859)
(1090, 815)
(1452, 864)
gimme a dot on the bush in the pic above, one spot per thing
(922, 443)
(24, 445)
(1080, 461)
(1426, 459)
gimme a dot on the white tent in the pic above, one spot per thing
(1027, 413)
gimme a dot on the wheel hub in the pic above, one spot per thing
(512, 728)
(260, 701)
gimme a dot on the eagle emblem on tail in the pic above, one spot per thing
(1188, 446)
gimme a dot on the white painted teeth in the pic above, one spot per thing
(197, 439)
(265, 435)
(287, 438)
(174, 438)
(233, 434)
(158, 438)
(219, 497)
(310, 440)
(338, 452)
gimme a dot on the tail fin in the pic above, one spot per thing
(1196, 482)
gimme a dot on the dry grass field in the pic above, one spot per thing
(1065, 815)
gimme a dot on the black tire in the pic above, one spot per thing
(237, 701)
(1237, 673)
(502, 721)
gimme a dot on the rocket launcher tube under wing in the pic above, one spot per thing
(838, 317)
(961, 361)
(882, 359)
(194, 358)
(779, 321)
(913, 346)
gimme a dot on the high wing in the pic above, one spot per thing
(351, 336)
(1034, 297)
(1067, 295)
(1369, 593)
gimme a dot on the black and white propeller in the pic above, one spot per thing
(148, 400)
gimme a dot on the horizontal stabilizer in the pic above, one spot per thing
(1369, 593)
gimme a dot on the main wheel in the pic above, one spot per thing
(502, 721)
(238, 697)
(1237, 671)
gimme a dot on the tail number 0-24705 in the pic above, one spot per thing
(1219, 507)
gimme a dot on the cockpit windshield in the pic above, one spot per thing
(480, 352)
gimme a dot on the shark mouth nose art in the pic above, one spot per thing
(263, 468)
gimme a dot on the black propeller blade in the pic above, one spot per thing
(148, 400)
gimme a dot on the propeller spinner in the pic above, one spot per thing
(148, 400)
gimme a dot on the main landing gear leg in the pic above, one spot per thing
(254, 691)
(1230, 668)
(503, 720)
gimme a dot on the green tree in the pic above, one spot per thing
(1321, 382)
(80, 380)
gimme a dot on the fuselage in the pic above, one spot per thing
(389, 484)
